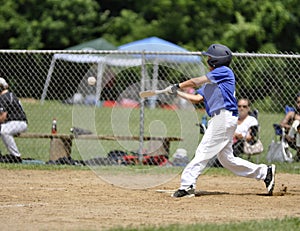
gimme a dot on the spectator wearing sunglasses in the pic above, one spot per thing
(291, 123)
(245, 122)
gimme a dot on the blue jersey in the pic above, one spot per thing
(220, 92)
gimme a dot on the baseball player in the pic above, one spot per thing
(12, 121)
(217, 91)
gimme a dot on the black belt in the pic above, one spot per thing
(217, 112)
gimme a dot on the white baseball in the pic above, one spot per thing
(91, 80)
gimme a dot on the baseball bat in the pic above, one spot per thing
(145, 94)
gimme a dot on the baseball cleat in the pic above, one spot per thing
(270, 179)
(189, 192)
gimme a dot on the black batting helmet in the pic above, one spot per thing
(220, 55)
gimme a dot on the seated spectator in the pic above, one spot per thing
(291, 123)
(243, 131)
(12, 121)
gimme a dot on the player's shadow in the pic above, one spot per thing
(208, 193)
(259, 194)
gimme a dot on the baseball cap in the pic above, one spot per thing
(3, 83)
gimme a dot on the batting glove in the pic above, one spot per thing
(172, 90)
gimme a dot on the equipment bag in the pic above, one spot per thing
(278, 151)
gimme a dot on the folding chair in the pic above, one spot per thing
(278, 150)
(281, 132)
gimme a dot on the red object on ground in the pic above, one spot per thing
(169, 106)
(109, 103)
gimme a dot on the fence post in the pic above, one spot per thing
(142, 102)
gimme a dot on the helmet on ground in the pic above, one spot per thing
(220, 55)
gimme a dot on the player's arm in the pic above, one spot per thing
(191, 97)
(3, 116)
(194, 82)
(191, 83)
(285, 121)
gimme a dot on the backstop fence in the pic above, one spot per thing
(53, 85)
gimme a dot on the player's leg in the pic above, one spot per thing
(244, 168)
(214, 140)
(8, 130)
(239, 166)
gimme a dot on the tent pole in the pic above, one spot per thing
(100, 70)
(153, 99)
(48, 79)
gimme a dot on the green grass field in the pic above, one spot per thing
(118, 121)
(291, 224)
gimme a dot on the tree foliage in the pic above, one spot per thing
(243, 25)
(49, 24)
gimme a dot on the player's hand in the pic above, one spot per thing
(172, 89)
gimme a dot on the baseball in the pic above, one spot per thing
(91, 80)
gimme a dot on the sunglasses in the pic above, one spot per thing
(243, 106)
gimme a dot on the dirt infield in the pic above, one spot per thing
(79, 200)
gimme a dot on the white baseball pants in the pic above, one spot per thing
(217, 140)
(8, 130)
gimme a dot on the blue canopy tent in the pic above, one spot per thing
(154, 44)
(157, 44)
(95, 44)
(187, 63)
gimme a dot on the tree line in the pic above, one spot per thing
(243, 25)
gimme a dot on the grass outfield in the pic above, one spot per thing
(291, 168)
(291, 224)
(118, 121)
(40, 117)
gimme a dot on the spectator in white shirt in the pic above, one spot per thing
(245, 122)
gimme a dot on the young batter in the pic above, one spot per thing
(218, 94)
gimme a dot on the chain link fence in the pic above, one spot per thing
(53, 84)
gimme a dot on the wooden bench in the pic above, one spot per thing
(61, 144)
